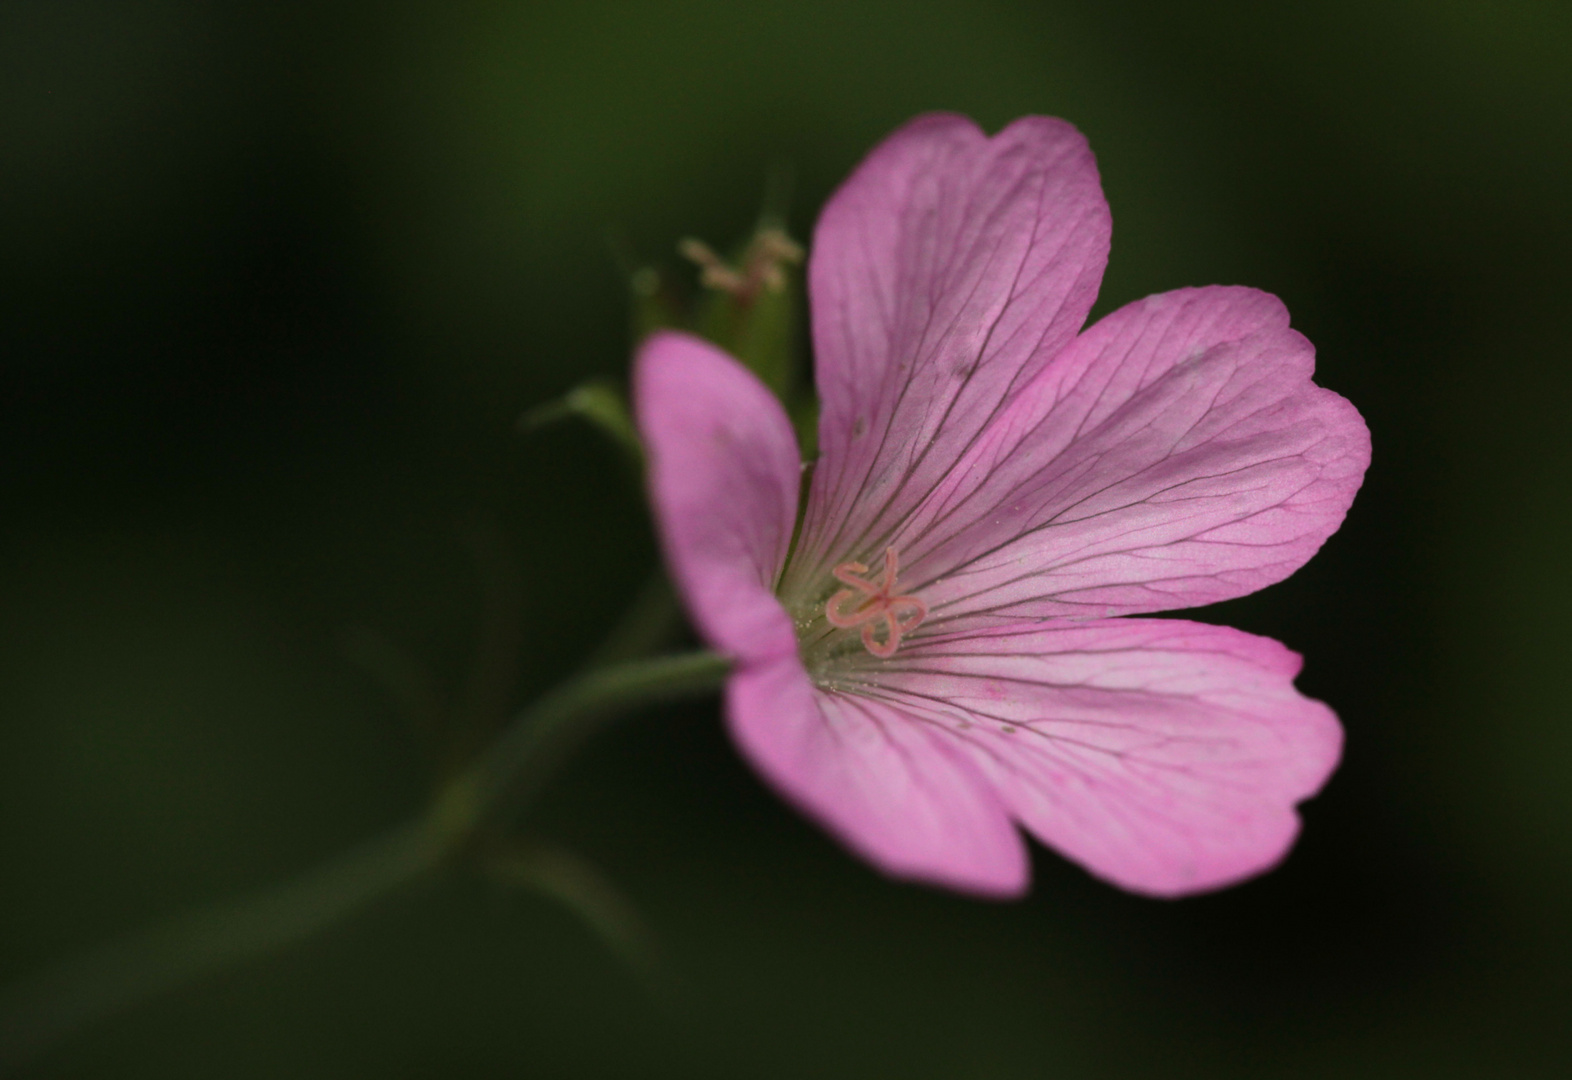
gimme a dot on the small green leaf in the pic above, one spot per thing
(600, 402)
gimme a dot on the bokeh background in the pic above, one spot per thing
(277, 278)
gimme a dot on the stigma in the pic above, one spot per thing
(876, 603)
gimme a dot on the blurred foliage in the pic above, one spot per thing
(279, 279)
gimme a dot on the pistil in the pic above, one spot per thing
(875, 602)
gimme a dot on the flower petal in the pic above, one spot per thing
(723, 477)
(945, 272)
(900, 794)
(1176, 454)
(1164, 756)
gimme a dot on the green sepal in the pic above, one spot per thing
(752, 303)
(656, 303)
(804, 413)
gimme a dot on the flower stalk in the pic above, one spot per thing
(36, 1014)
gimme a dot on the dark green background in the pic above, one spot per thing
(275, 280)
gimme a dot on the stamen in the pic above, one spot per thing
(900, 614)
(761, 267)
(715, 273)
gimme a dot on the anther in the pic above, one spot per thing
(875, 602)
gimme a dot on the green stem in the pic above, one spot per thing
(511, 773)
(99, 984)
(37, 1014)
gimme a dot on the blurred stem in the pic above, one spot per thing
(411, 687)
(649, 624)
(96, 985)
(482, 704)
(579, 886)
(504, 779)
(37, 1014)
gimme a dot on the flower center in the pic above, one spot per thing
(875, 603)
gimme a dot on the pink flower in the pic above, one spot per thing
(940, 652)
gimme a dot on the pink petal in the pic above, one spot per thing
(899, 792)
(1176, 454)
(945, 273)
(1164, 756)
(723, 475)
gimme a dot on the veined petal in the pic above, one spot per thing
(1176, 454)
(944, 274)
(723, 476)
(900, 793)
(1164, 756)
